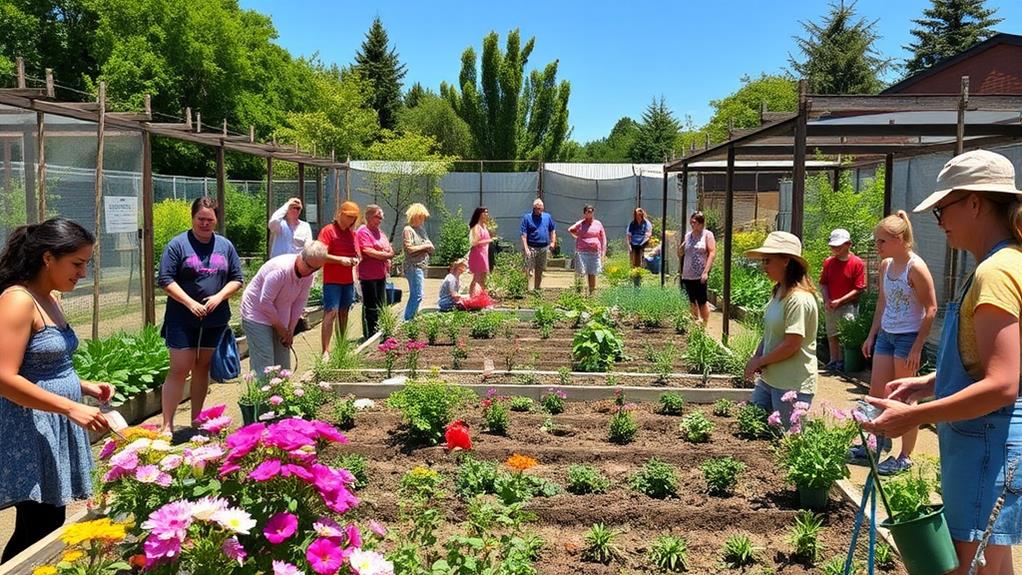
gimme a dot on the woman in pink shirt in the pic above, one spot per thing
(479, 253)
(274, 301)
(376, 251)
(590, 246)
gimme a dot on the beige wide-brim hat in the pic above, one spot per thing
(782, 244)
(975, 171)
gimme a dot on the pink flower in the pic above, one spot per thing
(299, 392)
(324, 556)
(328, 432)
(267, 416)
(796, 417)
(270, 369)
(249, 377)
(413, 345)
(108, 449)
(245, 438)
(202, 455)
(152, 474)
(285, 373)
(353, 536)
(369, 563)
(211, 413)
(126, 460)
(276, 381)
(266, 470)
(284, 568)
(233, 550)
(775, 419)
(216, 424)
(157, 549)
(276, 400)
(858, 416)
(801, 405)
(292, 470)
(377, 528)
(839, 414)
(328, 529)
(170, 521)
(388, 346)
(871, 443)
(171, 462)
(228, 468)
(790, 396)
(280, 527)
(796, 427)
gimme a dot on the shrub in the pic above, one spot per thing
(721, 475)
(596, 347)
(622, 427)
(814, 457)
(131, 363)
(669, 553)
(738, 551)
(671, 403)
(553, 401)
(522, 404)
(804, 536)
(600, 545)
(412, 328)
(696, 428)
(485, 325)
(426, 408)
(496, 416)
(583, 479)
(656, 479)
(475, 478)
(509, 279)
(663, 360)
(751, 422)
(723, 407)
(245, 221)
(356, 464)
(170, 218)
(344, 413)
(564, 375)
(453, 242)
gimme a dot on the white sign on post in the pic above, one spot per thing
(121, 214)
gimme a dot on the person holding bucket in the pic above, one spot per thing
(976, 403)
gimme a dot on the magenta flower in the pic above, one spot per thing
(327, 432)
(790, 396)
(245, 439)
(284, 568)
(228, 468)
(285, 373)
(108, 449)
(353, 538)
(292, 470)
(388, 346)
(324, 556)
(152, 474)
(233, 550)
(215, 425)
(276, 400)
(280, 527)
(377, 528)
(796, 416)
(157, 550)
(266, 470)
(170, 521)
(328, 529)
(211, 413)
(413, 345)
(774, 419)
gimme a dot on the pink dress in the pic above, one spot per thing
(479, 256)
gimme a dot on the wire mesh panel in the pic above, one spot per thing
(17, 185)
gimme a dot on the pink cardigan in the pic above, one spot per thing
(276, 293)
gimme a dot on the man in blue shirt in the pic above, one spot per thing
(539, 236)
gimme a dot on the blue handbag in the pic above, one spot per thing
(226, 363)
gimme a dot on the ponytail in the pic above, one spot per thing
(22, 256)
(898, 225)
(1015, 220)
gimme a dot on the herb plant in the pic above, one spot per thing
(751, 422)
(432, 324)
(721, 475)
(496, 416)
(884, 556)
(622, 427)
(669, 553)
(475, 477)
(521, 403)
(656, 479)
(596, 347)
(453, 242)
(663, 360)
(600, 545)
(695, 428)
(738, 551)
(132, 364)
(583, 479)
(427, 407)
(553, 401)
(388, 321)
(344, 413)
(671, 403)
(908, 494)
(804, 536)
(723, 407)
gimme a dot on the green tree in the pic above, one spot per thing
(838, 55)
(657, 133)
(616, 147)
(510, 116)
(55, 34)
(742, 108)
(433, 116)
(947, 28)
(410, 171)
(379, 64)
(415, 94)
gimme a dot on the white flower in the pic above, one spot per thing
(160, 445)
(205, 509)
(325, 385)
(267, 416)
(363, 403)
(170, 462)
(270, 369)
(264, 388)
(236, 520)
(199, 439)
(138, 445)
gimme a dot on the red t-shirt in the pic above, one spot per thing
(338, 243)
(841, 277)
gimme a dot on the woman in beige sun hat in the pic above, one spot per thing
(786, 358)
(976, 402)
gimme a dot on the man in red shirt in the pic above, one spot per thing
(842, 281)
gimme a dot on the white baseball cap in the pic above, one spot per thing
(780, 243)
(975, 171)
(840, 237)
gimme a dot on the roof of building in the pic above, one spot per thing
(995, 40)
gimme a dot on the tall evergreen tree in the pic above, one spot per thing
(657, 133)
(379, 64)
(947, 28)
(838, 55)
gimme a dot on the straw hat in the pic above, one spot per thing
(350, 209)
(782, 244)
(975, 171)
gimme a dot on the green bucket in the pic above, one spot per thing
(813, 498)
(925, 543)
(854, 360)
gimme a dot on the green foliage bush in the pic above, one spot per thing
(656, 479)
(723, 407)
(485, 325)
(132, 363)
(738, 551)
(522, 403)
(827, 208)
(671, 403)
(751, 422)
(695, 428)
(497, 417)
(804, 536)
(600, 545)
(908, 494)
(453, 242)
(669, 553)
(508, 279)
(596, 347)
(344, 413)
(427, 407)
(475, 477)
(245, 221)
(356, 464)
(622, 427)
(583, 479)
(170, 218)
(721, 475)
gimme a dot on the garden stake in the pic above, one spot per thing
(874, 474)
(868, 494)
(978, 559)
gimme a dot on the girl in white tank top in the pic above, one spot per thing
(902, 313)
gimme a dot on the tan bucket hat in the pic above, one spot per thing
(780, 243)
(976, 171)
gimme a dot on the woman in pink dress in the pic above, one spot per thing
(479, 254)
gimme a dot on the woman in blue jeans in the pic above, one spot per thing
(976, 403)
(417, 249)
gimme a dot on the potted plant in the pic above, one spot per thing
(276, 395)
(813, 451)
(854, 332)
(918, 525)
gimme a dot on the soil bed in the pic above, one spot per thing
(763, 506)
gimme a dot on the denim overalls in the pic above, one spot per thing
(975, 453)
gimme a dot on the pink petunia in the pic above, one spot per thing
(228, 468)
(328, 528)
(284, 568)
(292, 470)
(796, 416)
(353, 538)
(377, 528)
(324, 556)
(328, 432)
(170, 521)
(157, 550)
(108, 449)
(233, 549)
(775, 419)
(790, 396)
(266, 470)
(216, 424)
(280, 527)
(211, 413)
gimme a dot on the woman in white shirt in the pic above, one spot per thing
(288, 234)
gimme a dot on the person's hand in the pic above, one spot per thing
(908, 389)
(527, 252)
(282, 333)
(915, 357)
(197, 309)
(704, 277)
(294, 202)
(287, 340)
(101, 391)
(867, 347)
(897, 419)
(752, 367)
(212, 302)
(88, 417)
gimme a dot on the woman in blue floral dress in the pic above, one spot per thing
(44, 446)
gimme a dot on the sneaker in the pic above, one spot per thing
(831, 366)
(857, 454)
(894, 465)
(839, 366)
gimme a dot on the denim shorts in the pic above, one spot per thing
(338, 296)
(771, 399)
(897, 344)
(179, 336)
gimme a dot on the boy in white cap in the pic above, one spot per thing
(842, 282)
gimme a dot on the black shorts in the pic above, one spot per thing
(180, 336)
(696, 290)
(639, 249)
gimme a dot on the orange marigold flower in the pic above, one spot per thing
(520, 462)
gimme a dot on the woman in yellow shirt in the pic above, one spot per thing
(976, 402)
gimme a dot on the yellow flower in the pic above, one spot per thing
(102, 529)
(45, 570)
(72, 556)
(133, 433)
(422, 472)
(520, 462)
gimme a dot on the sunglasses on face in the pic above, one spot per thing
(938, 211)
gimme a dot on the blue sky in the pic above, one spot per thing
(617, 55)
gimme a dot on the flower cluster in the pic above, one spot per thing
(174, 525)
(799, 410)
(390, 350)
(279, 395)
(520, 462)
(814, 450)
(91, 549)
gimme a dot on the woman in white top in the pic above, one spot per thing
(288, 234)
(905, 311)
(697, 250)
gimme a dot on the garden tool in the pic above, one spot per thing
(979, 559)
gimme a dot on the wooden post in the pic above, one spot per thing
(480, 182)
(663, 227)
(148, 254)
(729, 222)
(684, 211)
(539, 192)
(221, 190)
(347, 179)
(951, 255)
(320, 206)
(269, 200)
(301, 182)
(798, 184)
(40, 140)
(337, 183)
(51, 91)
(20, 64)
(97, 254)
(888, 182)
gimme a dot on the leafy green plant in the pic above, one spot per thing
(670, 403)
(387, 322)
(669, 553)
(432, 325)
(356, 464)
(487, 324)
(703, 354)
(804, 536)
(884, 556)
(453, 323)
(738, 551)
(453, 242)
(721, 475)
(509, 279)
(459, 353)
(344, 413)
(564, 375)
(742, 346)
(522, 403)
(131, 363)
(622, 427)
(656, 479)
(814, 457)
(170, 218)
(596, 347)
(695, 428)
(836, 566)
(496, 416)
(583, 479)
(855, 330)
(908, 493)
(427, 407)
(545, 315)
(751, 422)
(553, 401)
(663, 360)
(475, 477)
(683, 322)
(600, 545)
(421, 483)
(413, 328)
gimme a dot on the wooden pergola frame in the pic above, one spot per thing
(791, 136)
(42, 101)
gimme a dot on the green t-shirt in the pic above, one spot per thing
(795, 314)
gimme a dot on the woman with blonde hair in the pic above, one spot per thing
(338, 272)
(906, 307)
(976, 403)
(786, 358)
(417, 249)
